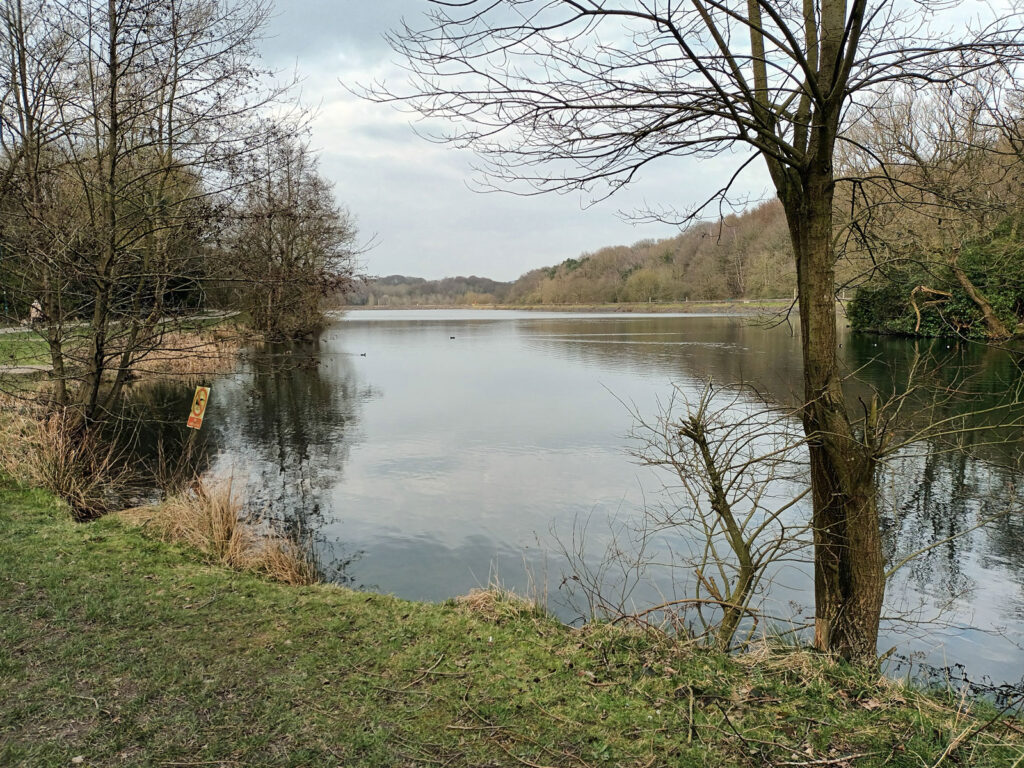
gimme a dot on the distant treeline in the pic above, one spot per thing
(901, 277)
(401, 291)
(740, 256)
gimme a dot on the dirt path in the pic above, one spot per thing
(21, 370)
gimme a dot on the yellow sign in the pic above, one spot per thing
(195, 416)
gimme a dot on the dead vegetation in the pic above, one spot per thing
(92, 475)
(81, 468)
(193, 353)
(89, 467)
(211, 519)
(497, 603)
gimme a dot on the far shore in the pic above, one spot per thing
(722, 306)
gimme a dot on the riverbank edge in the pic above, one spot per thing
(117, 649)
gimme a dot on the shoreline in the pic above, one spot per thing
(741, 307)
(196, 344)
(117, 649)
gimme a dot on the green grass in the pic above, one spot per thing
(30, 348)
(120, 650)
(23, 348)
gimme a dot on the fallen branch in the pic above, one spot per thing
(925, 289)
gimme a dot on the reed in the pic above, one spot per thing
(86, 471)
(211, 517)
(193, 353)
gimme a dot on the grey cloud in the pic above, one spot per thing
(415, 196)
(309, 29)
(430, 224)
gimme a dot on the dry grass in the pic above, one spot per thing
(92, 478)
(79, 467)
(17, 428)
(210, 518)
(193, 353)
(497, 603)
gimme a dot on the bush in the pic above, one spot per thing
(884, 305)
(77, 465)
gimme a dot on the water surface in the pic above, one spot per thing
(432, 452)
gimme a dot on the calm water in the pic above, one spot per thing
(427, 465)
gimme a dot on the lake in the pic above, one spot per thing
(431, 452)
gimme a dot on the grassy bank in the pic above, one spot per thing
(200, 343)
(23, 348)
(117, 649)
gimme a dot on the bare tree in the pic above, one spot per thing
(293, 244)
(933, 172)
(38, 85)
(738, 465)
(570, 94)
(121, 172)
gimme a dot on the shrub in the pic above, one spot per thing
(211, 518)
(77, 465)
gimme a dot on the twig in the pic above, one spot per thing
(976, 526)
(690, 725)
(401, 691)
(520, 759)
(420, 758)
(557, 717)
(87, 698)
(969, 733)
(831, 760)
(750, 749)
(426, 672)
(683, 601)
(203, 604)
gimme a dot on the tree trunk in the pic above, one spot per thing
(996, 328)
(108, 166)
(849, 569)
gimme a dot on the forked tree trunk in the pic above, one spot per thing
(849, 564)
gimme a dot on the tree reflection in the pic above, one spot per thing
(936, 489)
(154, 440)
(290, 421)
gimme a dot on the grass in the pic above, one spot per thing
(23, 348)
(117, 649)
(209, 517)
(188, 346)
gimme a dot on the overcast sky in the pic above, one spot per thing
(414, 196)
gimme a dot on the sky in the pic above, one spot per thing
(413, 198)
